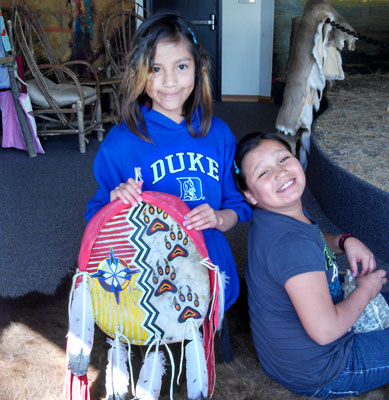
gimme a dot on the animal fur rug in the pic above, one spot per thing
(32, 355)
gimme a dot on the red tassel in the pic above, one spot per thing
(75, 387)
(209, 331)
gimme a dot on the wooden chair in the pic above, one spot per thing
(119, 27)
(121, 20)
(61, 104)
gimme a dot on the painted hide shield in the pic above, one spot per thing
(149, 280)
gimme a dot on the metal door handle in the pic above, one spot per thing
(211, 22)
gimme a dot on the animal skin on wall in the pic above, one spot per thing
(314, 59)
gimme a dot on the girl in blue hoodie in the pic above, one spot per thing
(168, 130)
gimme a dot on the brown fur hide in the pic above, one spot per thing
(32, 355)
(302, 60)
(314, 57)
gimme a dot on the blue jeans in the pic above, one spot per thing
(367, 367)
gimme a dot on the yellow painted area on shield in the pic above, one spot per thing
(126, 315)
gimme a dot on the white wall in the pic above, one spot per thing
(247, 47)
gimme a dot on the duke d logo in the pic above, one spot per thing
(190, 189)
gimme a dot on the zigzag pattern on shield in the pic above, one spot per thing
(137, 218)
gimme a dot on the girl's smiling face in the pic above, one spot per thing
(172, 80)
(275, 179)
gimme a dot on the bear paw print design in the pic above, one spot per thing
(155, 218)
(186, 304)
(163, 278)
(175, 242)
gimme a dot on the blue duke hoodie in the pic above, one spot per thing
(197, 170)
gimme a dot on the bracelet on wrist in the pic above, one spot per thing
(342, 239)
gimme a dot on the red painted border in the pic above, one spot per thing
(173, 205)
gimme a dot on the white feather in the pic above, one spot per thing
(305, 148)
(221, 279)
(196, 367)
(150, 376)
(81, 329)
(116, 376)
(108, 373)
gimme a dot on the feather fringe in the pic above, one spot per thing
(81, 328)
(221, 280)
(149, 383)
(116, 375)
(196, 368)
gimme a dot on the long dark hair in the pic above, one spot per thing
(132, 91)
(245, 145)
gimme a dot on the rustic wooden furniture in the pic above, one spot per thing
(122, 18)
(61, 105)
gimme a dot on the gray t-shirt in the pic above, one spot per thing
(280, 247)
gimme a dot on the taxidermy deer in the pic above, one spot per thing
(314, 57)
